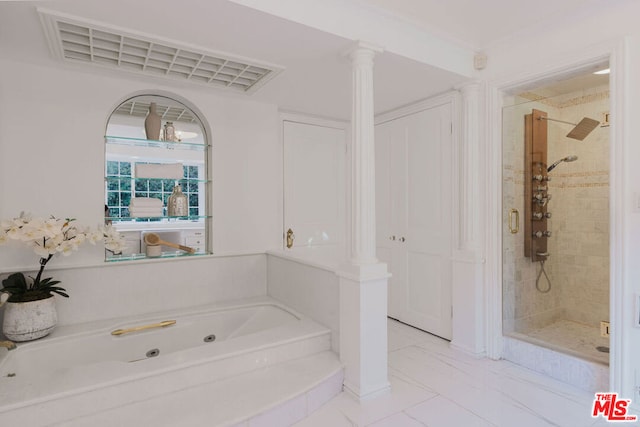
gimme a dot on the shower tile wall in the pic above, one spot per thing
(581, 211)
(524, 308)
(579, 265)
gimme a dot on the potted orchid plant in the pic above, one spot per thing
(30, 311)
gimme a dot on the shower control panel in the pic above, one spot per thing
(541, 178)
(537, 242)
(536, 189)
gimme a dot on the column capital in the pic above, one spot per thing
(360, 48)
(468, 86)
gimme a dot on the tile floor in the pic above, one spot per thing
(574, 338)
(435, 386)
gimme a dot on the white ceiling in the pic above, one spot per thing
(480, 23)
(317, 77)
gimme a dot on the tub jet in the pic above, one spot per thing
(153, 353)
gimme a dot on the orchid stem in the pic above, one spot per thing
(43, 263)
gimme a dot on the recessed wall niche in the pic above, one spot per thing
(157, 182)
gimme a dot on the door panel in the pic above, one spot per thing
(416, 203)
(423, 301)
(314, 190)
(387, 198)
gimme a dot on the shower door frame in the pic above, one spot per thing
(616, 54)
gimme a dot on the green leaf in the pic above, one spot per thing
(16, 281)
(48, 282)
(59, 291)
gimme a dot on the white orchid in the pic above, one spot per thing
(94, 236)
(47, 237)
(113, 240)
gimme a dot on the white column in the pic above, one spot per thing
(468, 323)
(363, 218)
(363, 283)
(469, 166)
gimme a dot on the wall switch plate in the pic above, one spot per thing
(604, 329)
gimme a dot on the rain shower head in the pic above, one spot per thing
(571, 158)
(580, 130)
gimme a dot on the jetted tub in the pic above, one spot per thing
(88, 371)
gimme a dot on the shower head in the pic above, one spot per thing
(583, 129)
(580, 130)
(571, 158)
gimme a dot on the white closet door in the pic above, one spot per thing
(390, 206)
(415, 187)
(314, 177)
(384, 244)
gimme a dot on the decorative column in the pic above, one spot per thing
(469, 166)
(363, 218)
(468, 323)
(363, 283)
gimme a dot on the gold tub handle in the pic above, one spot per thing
(162, 324)
(512, 213)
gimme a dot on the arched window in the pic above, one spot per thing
(156, 178)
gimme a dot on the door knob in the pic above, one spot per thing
(401, 239)
(290, 238)
(392, 237)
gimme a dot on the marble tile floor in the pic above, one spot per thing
(436, 386)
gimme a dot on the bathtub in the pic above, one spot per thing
(87, 369)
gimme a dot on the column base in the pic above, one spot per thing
(357, 394)
(363, 329)
(468, 303)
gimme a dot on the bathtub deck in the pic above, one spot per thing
(88, 391)
(295, 389)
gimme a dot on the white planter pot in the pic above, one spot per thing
(26, 321)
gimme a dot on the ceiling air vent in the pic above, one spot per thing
(76, 39)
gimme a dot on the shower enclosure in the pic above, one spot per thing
(556, 218)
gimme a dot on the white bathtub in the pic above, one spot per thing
(71, 364)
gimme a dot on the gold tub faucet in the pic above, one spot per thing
(9, 345)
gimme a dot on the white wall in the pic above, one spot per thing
(569, 43)
(52, 150)
(52, 124)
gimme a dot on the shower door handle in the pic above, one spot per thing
(514, 221)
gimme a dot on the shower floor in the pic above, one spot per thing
(571, 337)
